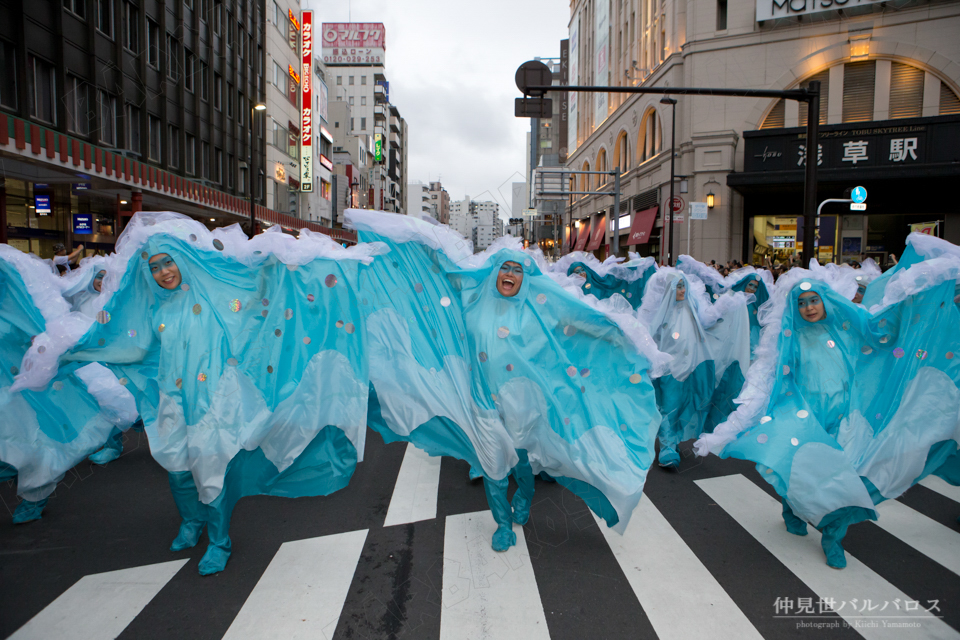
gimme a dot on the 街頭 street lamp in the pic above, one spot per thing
(253, 158)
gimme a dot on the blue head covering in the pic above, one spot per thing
(626, 280)
(248, 360)
(573, 391)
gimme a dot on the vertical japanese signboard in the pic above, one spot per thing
(601, 38)
(573, 78)
(564, 98)
(306, 102)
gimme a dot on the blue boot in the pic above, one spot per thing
(474, 474)
(215, 558)
(795, 525)
(832, 546)
(669, 458)
(503, 539)
(521, 509)
(112, 449)
(28, 511)
(188, 536)
(523, 474)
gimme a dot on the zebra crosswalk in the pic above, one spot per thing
(423, 568)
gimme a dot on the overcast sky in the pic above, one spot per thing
(451, 69)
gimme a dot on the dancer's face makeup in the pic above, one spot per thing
(751, 287)
(509, 279)
(811, 307)
(681, 291)
(165, 271)
(98, 281)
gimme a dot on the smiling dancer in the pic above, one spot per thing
(248, 360)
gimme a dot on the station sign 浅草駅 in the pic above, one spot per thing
(306, 102)
(353, 43)
(772, 9)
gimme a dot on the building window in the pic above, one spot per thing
(172, 51)
(173, 145)
(8, 75)
(859, 80)
(949, 102)
(108, 118)
(231, 171)
(906, 91)
(153, 44)
(363, 101)
(363, 79)
(721, 15)
(363, 124)
(204, 9)
(131, 131)
(351, 81)
(205, 159)
(217, 91)
(131, 27)
(41, 90)
(189, 68)
(76, 96)
(278, 76)
(218, 166)
(153, 134)
(105, 17)
(76, 7)
(190, 155)
(202, 79)
(293, 142)
(217, 17)
(350, 100)
(339, 81)
(230, 95)
(281, 197)
(351, 124)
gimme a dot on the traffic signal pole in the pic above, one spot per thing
(809, 94)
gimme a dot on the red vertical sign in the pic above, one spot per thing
(306, 102)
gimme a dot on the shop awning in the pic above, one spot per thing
(642, 225)
(583, 233)
(598, 231)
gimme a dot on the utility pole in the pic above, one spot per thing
(673, 157)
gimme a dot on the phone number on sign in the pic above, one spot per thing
(367, 59)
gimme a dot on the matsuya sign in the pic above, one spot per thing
(770, 9)
(306, 103)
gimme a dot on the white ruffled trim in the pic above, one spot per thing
(919, 277)
(66, 330)
(40, 277)
(401, 228)
(626, 271)
(706, 273)
(656, 289)
(932, 246)
(754, 397)
(723, 284)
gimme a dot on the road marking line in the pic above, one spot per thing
(100, 605)
(680, 596)
(487, 594)
(941, 486)
(415, 494)
(761, 516)
(301, 594)
(929, 537)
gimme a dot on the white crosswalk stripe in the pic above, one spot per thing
(99, 605)
(760, 515)
(302, 592)
(671, 582)
(927, 536)
(415, 494)
(487, 594)
(942, 487)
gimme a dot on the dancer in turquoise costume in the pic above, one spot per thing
(759, 285)
(610, 277)
(569, 383)
(82, 289)
(713, 282)
(710, 347)
(46, 432)
(249, 360)
(843, 408)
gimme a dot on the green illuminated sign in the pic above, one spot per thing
(378, 147)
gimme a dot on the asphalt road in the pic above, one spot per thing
(704, 556)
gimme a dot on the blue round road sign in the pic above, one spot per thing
(858, 195)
